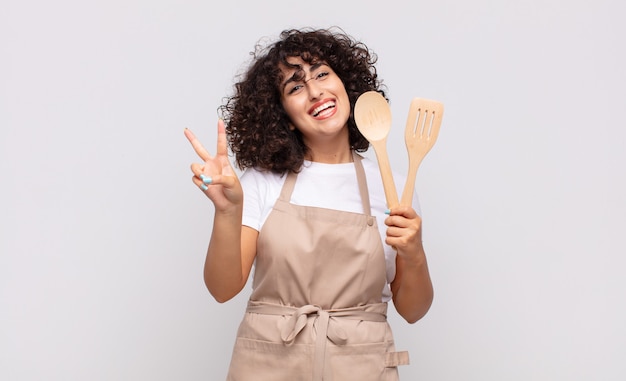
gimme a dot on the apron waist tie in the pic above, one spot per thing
(298, 317)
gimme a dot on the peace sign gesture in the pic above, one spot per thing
(215, 176)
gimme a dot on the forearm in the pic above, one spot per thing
(223, 274)
(412, 287)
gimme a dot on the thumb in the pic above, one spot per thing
(227, 181)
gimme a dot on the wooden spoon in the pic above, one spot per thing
(422, 129)
(373, 118)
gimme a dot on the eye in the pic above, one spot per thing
(295, 89)
(321, 75)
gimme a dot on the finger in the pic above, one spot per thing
(397, 231)
(222, 141)
(199, 183)
(394, 232)
(197, 146)
(197, 169)
(200, 178)
(402, 210)
(226, 181)
(397, 221)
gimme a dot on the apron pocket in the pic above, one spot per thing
(256, 360)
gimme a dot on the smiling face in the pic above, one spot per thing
(316, 102)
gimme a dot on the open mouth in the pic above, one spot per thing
(323, 107)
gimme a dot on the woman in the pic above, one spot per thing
(308, 212)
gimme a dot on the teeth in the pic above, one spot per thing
(322, 108)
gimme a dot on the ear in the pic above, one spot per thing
(292, 127)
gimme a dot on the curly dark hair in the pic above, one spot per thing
(257, 125)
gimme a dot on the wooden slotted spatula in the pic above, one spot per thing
(422, 129)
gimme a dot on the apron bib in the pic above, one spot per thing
(315, 312)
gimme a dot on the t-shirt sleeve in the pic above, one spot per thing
(252, 200)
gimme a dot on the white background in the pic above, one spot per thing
(102, 233)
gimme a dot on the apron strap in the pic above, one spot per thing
(297, 320)
(290, 183)
(395, 359)
(361, 179)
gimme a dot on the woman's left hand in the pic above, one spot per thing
(404, 231)
(412, 288)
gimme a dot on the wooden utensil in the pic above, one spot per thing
(373, 118)
(422, 129)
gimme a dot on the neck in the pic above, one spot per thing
(330, 150)
(342, 157)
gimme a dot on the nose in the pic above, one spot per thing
(313, 88)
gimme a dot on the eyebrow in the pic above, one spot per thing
(295, 78)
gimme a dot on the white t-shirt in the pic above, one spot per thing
(332, 186)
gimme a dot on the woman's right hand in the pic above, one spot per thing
(216, 176)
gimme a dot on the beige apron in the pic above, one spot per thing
(315, 312)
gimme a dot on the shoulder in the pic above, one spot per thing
(253, 177)
(260, 189)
